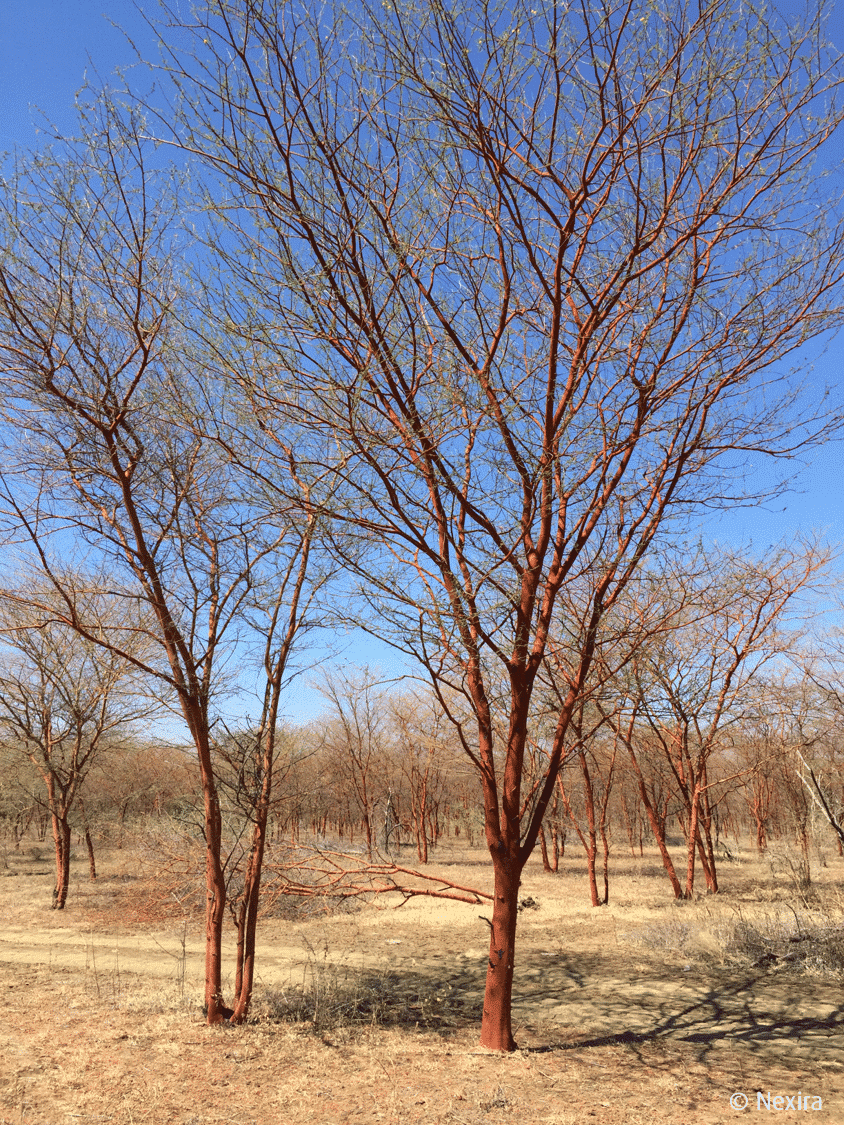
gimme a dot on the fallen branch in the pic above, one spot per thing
(341, 875)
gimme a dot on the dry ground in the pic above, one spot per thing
(644, 1011)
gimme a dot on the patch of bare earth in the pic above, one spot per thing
(639, 1012)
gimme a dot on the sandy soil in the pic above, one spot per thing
(632, 1013)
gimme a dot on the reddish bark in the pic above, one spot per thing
(657, 826)
(505, 481)
(496, 1023)
(543, 847)
(61, 840)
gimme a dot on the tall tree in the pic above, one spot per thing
(526, 268)
(107, 442)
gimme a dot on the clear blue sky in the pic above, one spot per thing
(48, 46)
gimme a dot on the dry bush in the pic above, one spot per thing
(331, 996)
(791, 866)
(667, 936)
(799, 940)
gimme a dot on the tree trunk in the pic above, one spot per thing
(592, 843)
(92, 864)
(58, 810)
(591, 858)
(605, 844)
(543, 847)
(215, 883)
(707, 849)
(692, 837)
(707, 863)
(589, 840)
(61, 836)
(659, 835)
(246, 928)
(496, 1026)
(215, 903)
(248, 917)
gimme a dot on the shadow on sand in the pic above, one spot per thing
(564, 1001)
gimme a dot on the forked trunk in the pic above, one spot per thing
(496, 1026)
(215, 890)
(58, 807)
(248, 919)
(246, 930)
(708, 848)
(693, 836)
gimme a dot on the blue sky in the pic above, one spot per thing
(48, 47)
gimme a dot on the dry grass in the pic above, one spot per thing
(645, 1011)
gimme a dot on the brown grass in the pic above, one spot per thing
(645, 1011)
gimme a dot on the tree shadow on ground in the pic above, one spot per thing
(608, 1002)
(578, 1001)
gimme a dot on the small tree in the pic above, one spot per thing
(423, 736)
(596, 764)
(356, 742)
(62, 699)
(692, 686)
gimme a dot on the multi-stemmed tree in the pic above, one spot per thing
(110, 413)
(512, 279)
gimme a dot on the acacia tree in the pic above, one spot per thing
(757, 751)
(807, 732)
(596, 762)
(423, 733)
(691, 688)
(61, 701)
(106, 441)
(525, 269)
(357, 744)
